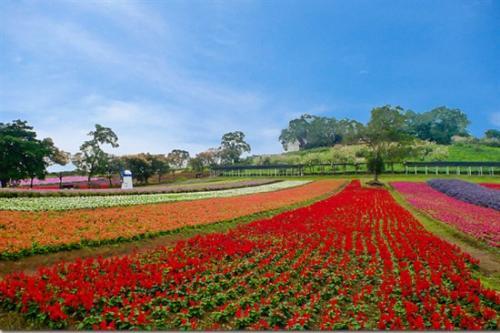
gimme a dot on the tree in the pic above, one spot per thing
(492, 134)
(22, 155)
(296, 132)
(233, 144)
(178, 158)
(310, 131)
(196, 164)
(140, 165)
(438, 125)
(384, 132)
(349, 130)
(159, 164)
(92, 159)
(113, 166)
(210, 157)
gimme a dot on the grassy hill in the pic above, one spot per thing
(353, 153)
(473, 152)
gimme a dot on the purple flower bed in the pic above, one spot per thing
(467, 192)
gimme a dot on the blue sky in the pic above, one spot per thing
(179, 74)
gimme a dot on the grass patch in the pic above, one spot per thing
(473, 152)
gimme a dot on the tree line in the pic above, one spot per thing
(439, 125)
(24, 156)
(388, 135)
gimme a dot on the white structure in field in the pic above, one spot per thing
(127, 180)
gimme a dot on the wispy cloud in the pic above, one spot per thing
(178, 108)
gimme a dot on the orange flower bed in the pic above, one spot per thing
(24, 233)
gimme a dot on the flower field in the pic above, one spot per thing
(55, 191)
(355, 260)
(468, 192)
(66, 203)
(25, 233)
(479, 222)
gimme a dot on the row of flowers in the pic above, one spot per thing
(67, 203)
(479, 222)
(55, 191)
(491, 185)
(25, 233)
(357, 260)
(467, 192)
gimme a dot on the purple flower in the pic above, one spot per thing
(467, 192)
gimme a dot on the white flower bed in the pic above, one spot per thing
(65, 203)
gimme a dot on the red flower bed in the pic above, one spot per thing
(23, 233)
(493, 186)
(356, 260)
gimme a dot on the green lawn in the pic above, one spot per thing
(473, 153)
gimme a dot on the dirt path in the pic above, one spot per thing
(488, 256)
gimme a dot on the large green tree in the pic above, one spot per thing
(384, 134)
(140, 165)
(310, 131)
(22, 155)
(232, 146)
(438, 125)
(92, 159)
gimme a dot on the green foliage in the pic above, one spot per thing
(473, 152)
(438, 125)
(312, 131)
(232, 145)
(178, 158)
(375, 165)
(196, 164)
(385, 135)
(22, 155)
(492, 134)
(92, 159)
(159, 164)
(141, 166)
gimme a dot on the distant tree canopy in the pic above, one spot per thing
(232, 146)
(492, 134)
(178, 158)
(92, 159)
(145, 165)
(209, 157)
(310, 131)
(22, 155)
(385, 135)
(438, 125)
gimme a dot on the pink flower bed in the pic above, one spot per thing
(479, 222)
(55, 180)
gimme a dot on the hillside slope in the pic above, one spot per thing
(353, 153)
